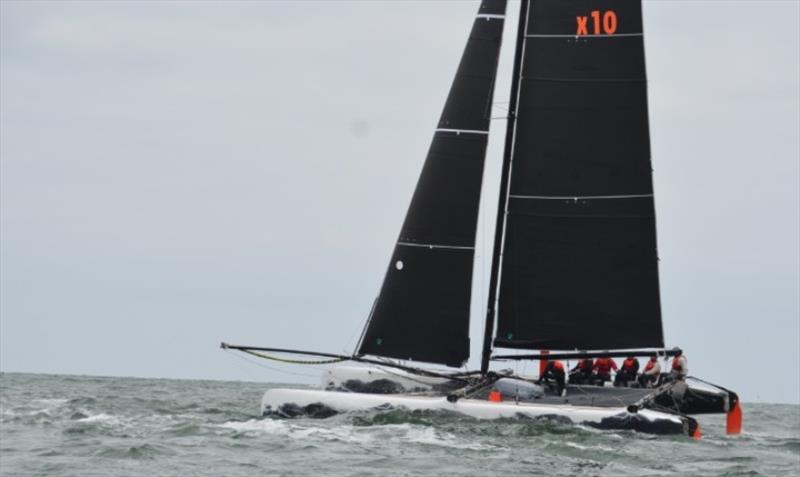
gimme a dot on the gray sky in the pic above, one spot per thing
(177, 174)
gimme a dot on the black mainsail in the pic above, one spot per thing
(422, 312)
(579, 266)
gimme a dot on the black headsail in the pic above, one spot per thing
(579, 262)
(422, 312)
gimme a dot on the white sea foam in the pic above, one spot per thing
(34, 408)
(268, 426)
(49, 405)
(575, 445)
(349, 434)
(51, 402)
(102, 417)
(403, 433)
(298, 431)
(411, 433)
(430, 436)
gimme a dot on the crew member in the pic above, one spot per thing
(680, 367)
(582, 372)
(628, 371)
(652, 370)
(602, 369)
(554, 372)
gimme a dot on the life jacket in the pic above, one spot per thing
(629, 363)
(650, 364)
(585, 366)
(557, 366)
(604, 365)
(676, 364)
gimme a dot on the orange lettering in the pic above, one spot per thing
(596, 18)
(582, 30)
(610, 22)
(607, 24)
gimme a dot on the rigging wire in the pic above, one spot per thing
(501, 105)
(335, 358)
(293, 361)
(247, 369)
(262, 365)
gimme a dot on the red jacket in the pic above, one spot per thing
(603, 366)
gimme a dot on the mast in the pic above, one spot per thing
(491, 309)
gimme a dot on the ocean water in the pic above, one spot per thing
(100, 426)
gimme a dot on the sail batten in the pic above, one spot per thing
(422, 311)
(567, 197)
(583, 37)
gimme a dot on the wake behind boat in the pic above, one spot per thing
(574, 263)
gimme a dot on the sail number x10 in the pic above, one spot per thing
(607, 21)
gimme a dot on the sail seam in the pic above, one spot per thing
(587, 80)
(430, 245)
(462, 131)
(490, 16)
(576, 197)
(553, 35)
(583, 216)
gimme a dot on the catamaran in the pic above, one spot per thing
(574, 271)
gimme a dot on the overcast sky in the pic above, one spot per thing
(177, 174)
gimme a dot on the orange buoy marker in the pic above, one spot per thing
(697, 435)
(495, 396)
(733, 422)
(543, 362)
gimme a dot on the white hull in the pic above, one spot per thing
(275, 400)
(339, 376)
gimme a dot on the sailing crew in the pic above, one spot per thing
(582, 372)
(628, 372)
(602, 369)
(652, 370)
(554, 371)
(680, 367)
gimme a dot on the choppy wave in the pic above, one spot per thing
(315, 431)
(59, 425)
